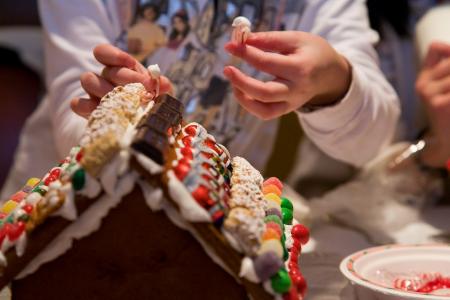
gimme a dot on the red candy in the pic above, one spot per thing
(191, 130)
(79, 156)
(187, 141)
(301, 284)
(212, 145)
(49, 180)
(291, 295)
(181, 170)
(187, 152)
(15, 230)
(217, 215)
(201, 195)
(301, 233)
(275, 181)
(2, 215)
(207, 155)
(55, 172)
(18, 196)
(28, 208)
(448, 165)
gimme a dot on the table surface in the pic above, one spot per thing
(330, 244)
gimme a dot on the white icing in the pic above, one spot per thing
(232, 241)
(68, 210)
(153, 196)
(248, 270)
(6, 244)
(148, 164)
(287, 232)
(108, 176)
(3, 261)
(189, 208)
(21, 244)
(92, 187)
(33, 198)
(154, 71)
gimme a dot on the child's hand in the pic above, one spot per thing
(433, 86)
(120, 69)
(306, 69)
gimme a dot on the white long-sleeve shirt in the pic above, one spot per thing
(354, 130)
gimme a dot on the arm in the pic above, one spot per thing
(357, 128)
(331, 65)
(72, 29)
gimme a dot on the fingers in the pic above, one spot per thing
(83, 106)
(165, 86)
(265, 111)
(436, 52)
(122, 76)
(95, 85)
(276, 64)
(275, 41)
(271, 91)
(112, 56)
(442, 69)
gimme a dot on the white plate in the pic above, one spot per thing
(372, 271)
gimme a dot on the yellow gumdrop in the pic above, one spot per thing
(270, 234)
(271, 245)
(273, 197)
(271, 188)
(9, 206)
(33, 181)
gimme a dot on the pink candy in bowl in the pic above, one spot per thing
(400, 272)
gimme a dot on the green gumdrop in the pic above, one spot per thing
(286, 203)
(274, 218)
(287, 216)
(10, 219)
(39, 190)
(281, 282)
(78, 179)
(283, 238)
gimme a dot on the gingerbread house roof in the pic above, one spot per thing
(136, 149)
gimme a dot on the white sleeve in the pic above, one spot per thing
(72, 29)
(363, 123)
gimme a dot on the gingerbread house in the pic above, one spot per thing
(149, 207)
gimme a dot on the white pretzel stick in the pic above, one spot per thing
(241, 29)
(155, 73)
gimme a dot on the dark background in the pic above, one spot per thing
(20, 87)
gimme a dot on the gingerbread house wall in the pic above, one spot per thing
(136, 254)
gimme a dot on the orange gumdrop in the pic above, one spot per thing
(270, 234)
(267, 189)
(275, 181)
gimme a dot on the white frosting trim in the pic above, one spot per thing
(248, 270)
(153, 196)
(148, 164)
(92, 187)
